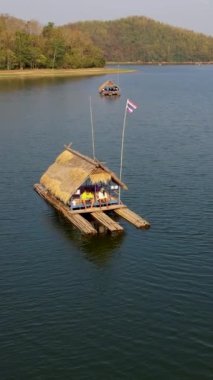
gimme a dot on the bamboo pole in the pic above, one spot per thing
(122, 148)
(92, 126)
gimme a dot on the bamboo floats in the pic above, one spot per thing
(106, 221)
(85, 226)
(77, 220)
(82, 224)
(132, 217)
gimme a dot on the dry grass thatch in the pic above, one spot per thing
(66, 174)
(99, 175)
(71, 170)
(64, 158)
(108, 83)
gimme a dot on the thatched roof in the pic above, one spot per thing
(108, 83)
(70, 170)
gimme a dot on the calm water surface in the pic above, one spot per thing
(136, 306)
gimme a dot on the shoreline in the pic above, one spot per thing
(66, 73)
(54, 73)
(138, 63)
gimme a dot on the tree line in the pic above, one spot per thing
(27, 44)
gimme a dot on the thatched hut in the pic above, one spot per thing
(109, 88)
(66, 180)
(72, 172)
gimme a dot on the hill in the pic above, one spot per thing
(90, 44)
(134, 39)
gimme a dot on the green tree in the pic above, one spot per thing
(23, 49)
(54, 45)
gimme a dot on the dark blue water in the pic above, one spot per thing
(136, 306)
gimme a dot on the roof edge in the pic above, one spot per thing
(96, 164)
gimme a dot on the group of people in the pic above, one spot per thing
(109, 90)
(88, 197)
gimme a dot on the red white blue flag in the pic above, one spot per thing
(130, 106)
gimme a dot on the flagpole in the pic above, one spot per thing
(91, 118)
(122, 148)
(118, 73)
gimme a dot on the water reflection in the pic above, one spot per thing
(110, 98)
(97, 249)
(18, 84)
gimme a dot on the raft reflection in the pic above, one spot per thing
(97, 249)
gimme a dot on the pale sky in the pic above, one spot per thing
(194, 15)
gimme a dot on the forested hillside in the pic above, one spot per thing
(92, 43)
(141, 39)
(30, 45)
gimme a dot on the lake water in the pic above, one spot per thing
(134, 306)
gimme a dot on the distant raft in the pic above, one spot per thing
(109, 88)
(87, 193)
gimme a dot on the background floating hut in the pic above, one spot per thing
(66, 179)
(109, 88)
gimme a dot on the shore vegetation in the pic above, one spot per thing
(28, 46)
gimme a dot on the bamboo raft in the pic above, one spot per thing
(106, 221)
(97, 214)
(132, 217)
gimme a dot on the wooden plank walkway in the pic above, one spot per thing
(91, 209)
(132, 217)
(106, 221)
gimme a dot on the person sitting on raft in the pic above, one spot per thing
(87, 197)
(103, 197)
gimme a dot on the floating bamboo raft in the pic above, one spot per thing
(99, 216)
(106, 221)
(81, 223)
(132, 217)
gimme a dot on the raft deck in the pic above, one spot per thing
(97, 213)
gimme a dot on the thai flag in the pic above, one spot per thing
(130, 106)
